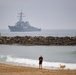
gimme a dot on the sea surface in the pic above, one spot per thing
(45, 32)
(28, 55)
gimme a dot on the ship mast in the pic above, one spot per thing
(20, 16)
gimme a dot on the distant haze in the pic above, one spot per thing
(45, 14)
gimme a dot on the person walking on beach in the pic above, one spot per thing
(40, 62)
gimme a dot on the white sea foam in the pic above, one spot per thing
(34, 63)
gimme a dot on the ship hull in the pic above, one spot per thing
(22, 26)
(17, 29)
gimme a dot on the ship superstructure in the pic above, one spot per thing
(22, 26)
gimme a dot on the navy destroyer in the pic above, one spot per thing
(22, 26)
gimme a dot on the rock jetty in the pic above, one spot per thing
(38, 40)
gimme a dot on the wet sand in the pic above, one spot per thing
(6, 69)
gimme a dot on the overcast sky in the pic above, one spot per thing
(45, 14)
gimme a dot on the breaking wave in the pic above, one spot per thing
(34, 63)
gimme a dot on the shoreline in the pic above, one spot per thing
(8, 69)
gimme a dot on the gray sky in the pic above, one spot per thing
(45, 14)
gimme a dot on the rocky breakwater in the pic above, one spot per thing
(38, 40)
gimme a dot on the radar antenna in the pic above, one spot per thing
(21, 16)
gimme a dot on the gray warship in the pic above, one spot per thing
(22, 26)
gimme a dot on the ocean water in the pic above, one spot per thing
(50, 32)
(28, 55)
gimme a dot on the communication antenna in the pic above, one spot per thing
(21, 16)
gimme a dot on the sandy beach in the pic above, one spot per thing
(6, 69)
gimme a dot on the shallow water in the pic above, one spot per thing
(28, 55)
